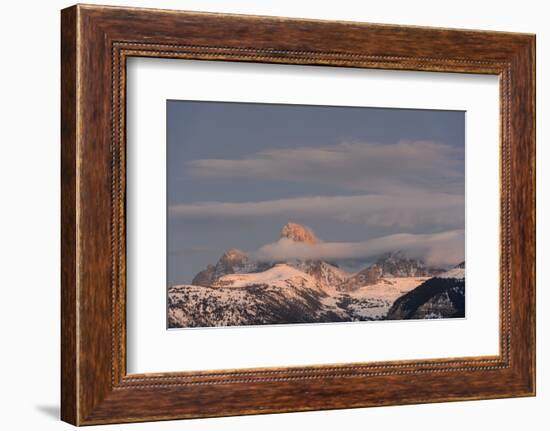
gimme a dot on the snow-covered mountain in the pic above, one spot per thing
(272, 297)
(257, 304)
(233, 261)
(442, 296)
(280, 275)
(395, 264)
(328, 275)
(239, 290)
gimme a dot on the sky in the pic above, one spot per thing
(364, 180)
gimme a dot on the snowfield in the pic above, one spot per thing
(457, 272)
(281, 275)
(373, 302)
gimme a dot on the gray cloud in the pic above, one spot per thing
(385, 210)
(353, 166)
(443, 248)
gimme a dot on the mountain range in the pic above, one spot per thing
(240, 290)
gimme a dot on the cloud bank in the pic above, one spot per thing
(352, 166)
(399, 186)
(400, 210)
(443, 248)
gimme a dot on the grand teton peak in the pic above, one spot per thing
(298, 233)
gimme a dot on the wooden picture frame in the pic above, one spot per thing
(95, 43)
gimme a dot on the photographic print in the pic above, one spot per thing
(288, 214)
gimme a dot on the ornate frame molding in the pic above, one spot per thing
(96, 41)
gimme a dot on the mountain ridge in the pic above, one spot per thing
(390, 264)
(239, 290)
(442, 296)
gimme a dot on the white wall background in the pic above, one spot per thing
(29, 214)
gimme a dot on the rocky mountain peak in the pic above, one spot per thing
(397, 264)
(298, 233)
(232, 261)
(233, 257)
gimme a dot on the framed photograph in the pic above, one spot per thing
(264, 215)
